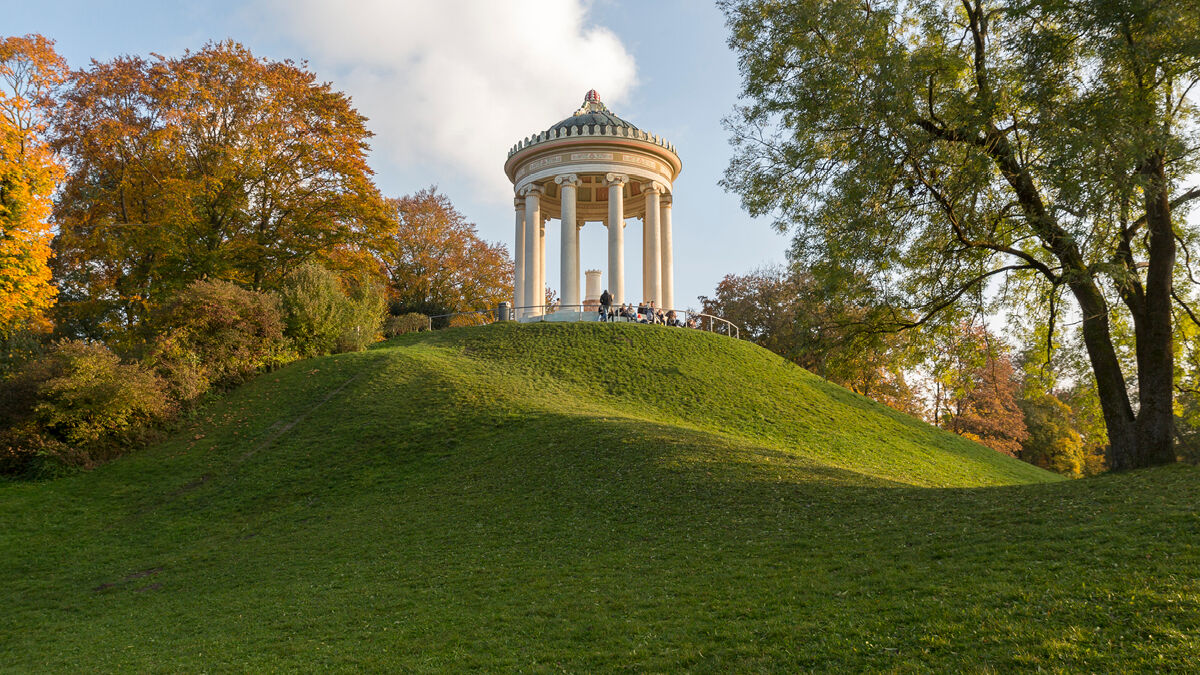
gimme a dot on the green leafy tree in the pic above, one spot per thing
(1053, 442)
(1062, 411)
(323, 317)
(941, 146)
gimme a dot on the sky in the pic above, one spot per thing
(449, 85)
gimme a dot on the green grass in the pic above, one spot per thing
(582, 498)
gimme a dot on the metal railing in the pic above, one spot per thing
(586, 312)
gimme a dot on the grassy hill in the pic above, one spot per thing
(588, 497)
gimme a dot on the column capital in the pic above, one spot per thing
(532, 189)
(665, 200)
(568, 179)
(654, 186)
(519, 202)
(616, 179)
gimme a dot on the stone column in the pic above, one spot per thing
(569, 246)
(541, 289)
(519, 254)
(652, 268)
(668, 260)
(616, 236)
(533, 227)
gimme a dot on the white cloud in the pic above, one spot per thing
(454, 83)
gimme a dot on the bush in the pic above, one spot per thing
(313, 307)
(215, 333)
(365, 308)
(18, 347)
(76, 406)
(1052, 443)
(406, 323)
(321, 318)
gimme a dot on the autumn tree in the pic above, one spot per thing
(1053, 442)
(820, 326)
(975, 388)
(435, 261)
(29, 71)
(215, 164)
(945, 146)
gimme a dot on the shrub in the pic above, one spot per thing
(406, 323)
(215, 333)
(313, 305)
(365, 308)
(18, 347)
(321, 318)
(77, 405)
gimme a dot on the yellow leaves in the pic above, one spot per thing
(28, 175)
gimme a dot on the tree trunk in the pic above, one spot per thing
(1155, 356)
(1144, 440)
(1119, 420)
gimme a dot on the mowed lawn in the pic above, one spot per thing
(583, 498)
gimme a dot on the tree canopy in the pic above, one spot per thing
(29, 71)
(942, 148)
(215, 164)
(435, 261)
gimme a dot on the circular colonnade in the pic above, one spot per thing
(592, 167)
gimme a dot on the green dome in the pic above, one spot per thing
(591, 112)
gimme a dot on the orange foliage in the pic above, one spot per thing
(29, 69)
(436, 262)
(214, 164)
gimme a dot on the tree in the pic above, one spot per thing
(76, 405)
(215, 333)
(1053, 442)
(29, 72)
(436, 263)
(1058, 397)
(818, 327)
(215, 165)
(942, 146)
(975, 389)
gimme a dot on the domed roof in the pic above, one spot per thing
(593, 111)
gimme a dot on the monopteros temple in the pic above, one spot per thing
(592, 167)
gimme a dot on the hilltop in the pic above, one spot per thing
(583, 497)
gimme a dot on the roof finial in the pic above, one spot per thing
(591, 103)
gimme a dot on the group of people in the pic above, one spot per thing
(643, 313)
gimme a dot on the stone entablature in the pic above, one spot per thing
(540, 162)
(591, 130)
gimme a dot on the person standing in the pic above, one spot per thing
(605, 305)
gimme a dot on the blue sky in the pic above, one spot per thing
(450, 85)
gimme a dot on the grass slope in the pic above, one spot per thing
(588, 497)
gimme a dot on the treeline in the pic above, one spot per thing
(1029, 394)
(978, 159)
(170, 226)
